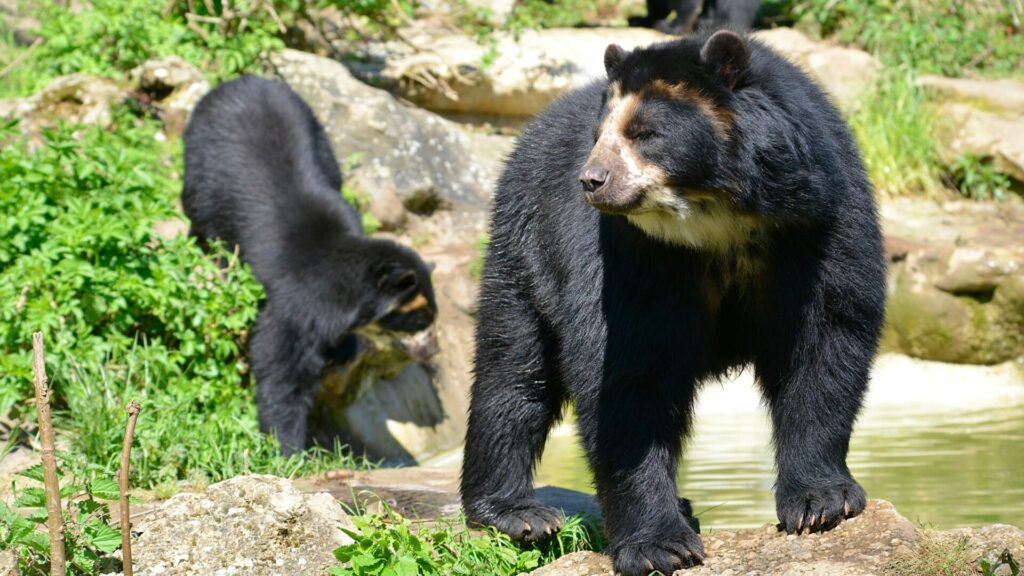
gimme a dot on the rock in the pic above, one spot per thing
(173, 87)
(428, 493)
(75, 98)
(956, 280)
(968, 130)
(845, 73)
(577, 564)
(407, 160)
(867, 545)
(17, 23)
(1004, 95)
(511, 77)
(390, 407)
(251, 525)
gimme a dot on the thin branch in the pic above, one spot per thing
(126, 458)
(14, 63)
(50, 482)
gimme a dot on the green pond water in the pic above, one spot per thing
(944, 443)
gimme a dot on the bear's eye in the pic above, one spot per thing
(644, 134)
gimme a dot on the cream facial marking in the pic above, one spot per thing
(417, 303)
(691, 218)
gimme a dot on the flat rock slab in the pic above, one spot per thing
(426, 493)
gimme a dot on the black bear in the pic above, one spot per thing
(260, 175)
(699, 14)
(704, 208)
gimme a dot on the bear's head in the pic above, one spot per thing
(666, 125)
(398, 304)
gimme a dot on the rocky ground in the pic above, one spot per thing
(267, 526)
(414, 124)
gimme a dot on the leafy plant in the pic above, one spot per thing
(977, 179)
(387, 543)
(88, 535)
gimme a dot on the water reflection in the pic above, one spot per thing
(944, 443)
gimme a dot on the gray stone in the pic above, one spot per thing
(967, 129)
(407, 160)
(845, 73)
(75, 98)
(173, 86)
(249, 525)
(508, 76)
(956, 283)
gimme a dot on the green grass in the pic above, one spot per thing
(894, 126)
(950, 37)
(388, 543)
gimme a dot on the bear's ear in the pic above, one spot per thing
(726, 54)
(614, 55)
(394, 278)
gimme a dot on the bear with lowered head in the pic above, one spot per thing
(260, 175)
(703, 209)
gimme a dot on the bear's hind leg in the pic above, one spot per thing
(516, 397)
(286, 367)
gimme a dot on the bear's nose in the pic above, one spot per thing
(593, 178)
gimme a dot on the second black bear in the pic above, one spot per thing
(698, 14)
(260, 174)
(703, 209)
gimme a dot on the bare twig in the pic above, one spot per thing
(52, 486)
(126, 456)
(14, 63)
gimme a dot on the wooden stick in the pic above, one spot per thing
(14, 63)
(50, 482)
(126, 454)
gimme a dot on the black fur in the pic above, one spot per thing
(579, 305)
(699, 14)
(260, 174)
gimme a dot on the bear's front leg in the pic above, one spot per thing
(633, 437)
(814, 372)
(515, 399)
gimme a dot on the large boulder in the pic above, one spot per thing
(76, 98)
(405, 159)
(845, 73)
(956, 280)
(518, 76)
(251, 525)
(386, 403)
(507, 76)
(981, 118)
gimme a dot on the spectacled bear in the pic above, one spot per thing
(260, 175)
(703, 209)
(698, 14)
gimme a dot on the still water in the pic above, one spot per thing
(944, 443)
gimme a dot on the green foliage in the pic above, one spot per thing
(127, 314)
(936, 555)
(948, 37)
(88, 535)
(1005, 560)
(975, 178)
(389, 544)
(894, 127)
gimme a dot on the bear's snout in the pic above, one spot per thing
(594, 178)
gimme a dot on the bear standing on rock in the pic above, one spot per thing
(703, 209)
